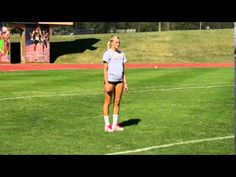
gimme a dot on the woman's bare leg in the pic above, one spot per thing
(117, 98)
(107, 102)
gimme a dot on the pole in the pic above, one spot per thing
(168, 26)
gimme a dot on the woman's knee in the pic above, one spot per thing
(117, 102)
(107, 102)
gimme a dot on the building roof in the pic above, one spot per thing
(46, 23)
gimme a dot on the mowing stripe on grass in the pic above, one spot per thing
(94, 93)
(183, 88)
(45, 96)
(172, 144)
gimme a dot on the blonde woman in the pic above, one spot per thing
(114, 82)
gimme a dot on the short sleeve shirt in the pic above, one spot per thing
(115, 60)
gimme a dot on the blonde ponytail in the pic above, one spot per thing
(108, 45)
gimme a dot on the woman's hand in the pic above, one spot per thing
(126, 88)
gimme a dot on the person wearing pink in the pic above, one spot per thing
(114, 82)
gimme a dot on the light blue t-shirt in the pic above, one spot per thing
(115, 60)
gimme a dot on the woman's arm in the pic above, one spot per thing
(32, 34)
(108, 86)
(125, 81)
(105, 72)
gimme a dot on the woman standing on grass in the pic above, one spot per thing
(114, 82)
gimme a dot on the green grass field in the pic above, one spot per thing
(60, 112)
(148, 47)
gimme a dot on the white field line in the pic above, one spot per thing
(172, 144)
(184, 88)
(141, 90)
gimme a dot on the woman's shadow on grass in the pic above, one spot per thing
(130, 122)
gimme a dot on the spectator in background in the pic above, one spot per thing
(45, 39)
(36, 37)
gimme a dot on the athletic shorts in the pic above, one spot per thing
(115, 83)
(36, 42)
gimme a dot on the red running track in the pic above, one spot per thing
(48, 66)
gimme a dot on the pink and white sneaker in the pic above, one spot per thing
(117, 128)
(108, 128)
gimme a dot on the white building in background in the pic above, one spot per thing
(123, 31)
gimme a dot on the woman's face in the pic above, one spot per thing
(116, 43)
(38, 29)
